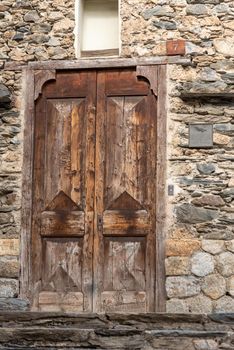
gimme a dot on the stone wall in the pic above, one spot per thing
(199, 223)
(200, 260)
(29, 31)
(10, 182)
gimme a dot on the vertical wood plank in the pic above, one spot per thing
(150, 170)
(38, 197)
(89, 156)
(114, 143)
(98, 257)
(25, 250)
(161, 189)
(53, 147)
(78, 139)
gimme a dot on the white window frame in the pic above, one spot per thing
(79, 8)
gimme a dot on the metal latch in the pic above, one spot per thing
(99, 222)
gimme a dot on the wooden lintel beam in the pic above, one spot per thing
(97, 63)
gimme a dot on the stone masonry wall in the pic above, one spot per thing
(200, 216)
(29, 31)
(200, 244)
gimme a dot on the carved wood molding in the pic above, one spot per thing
(151, 74)
(40, 78)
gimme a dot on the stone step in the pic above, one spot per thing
(29, 330)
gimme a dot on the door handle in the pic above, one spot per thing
(99, 222)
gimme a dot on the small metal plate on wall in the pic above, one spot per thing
(175, 47)
(200, 135)
(170, 190)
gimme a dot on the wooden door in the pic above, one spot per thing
(94, 193)
(124, 245)
(63, 194)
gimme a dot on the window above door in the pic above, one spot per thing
(98, 28)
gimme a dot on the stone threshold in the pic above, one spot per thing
(42, 330)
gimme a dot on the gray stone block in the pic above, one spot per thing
(13, 304)
(5, 95)
(190, 214)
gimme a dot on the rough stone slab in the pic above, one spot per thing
(143, 321)
(9, 267)
(199, 303)
(158, 11)
(227, 318)
(224, 46)
(224, 304)
(29, 330)
(190, 214)
(198, 89)
(202, 264)
(8, 288)
(197, 10)
(5, 95)
(214, 286)
(176, 266)
(7, 304)
(9, 246)
(210, 200)
(182, 286)
(225, 264)
(213, 246)
(187, 333)
(206, 168)
(182, 247)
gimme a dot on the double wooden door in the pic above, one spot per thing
(94, 214)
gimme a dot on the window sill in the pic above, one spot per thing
(100, 53)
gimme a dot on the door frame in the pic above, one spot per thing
(35, 75)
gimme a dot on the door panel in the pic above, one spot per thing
(124, 254)
(65, 145)
(62, 275)
(124, 275)
(63, 210)
(124, 82)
